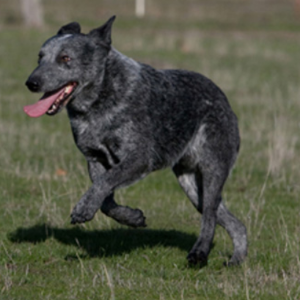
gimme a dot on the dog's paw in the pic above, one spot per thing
(82, 214)
(127, 216)
(138, 219)
(235, 260)
(197, 258)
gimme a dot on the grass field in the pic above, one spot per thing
(251, 49)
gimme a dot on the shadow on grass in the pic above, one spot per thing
(99, 243)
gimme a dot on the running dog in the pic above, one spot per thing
(129, 119)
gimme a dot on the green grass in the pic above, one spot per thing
(251, 50)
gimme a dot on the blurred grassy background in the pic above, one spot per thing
(251, 50)
(230, 14)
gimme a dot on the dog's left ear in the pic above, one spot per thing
(103, 33)
(70, 28)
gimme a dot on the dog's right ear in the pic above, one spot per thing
(103, 33)
(70, 28)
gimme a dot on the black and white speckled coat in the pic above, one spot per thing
(129, 119)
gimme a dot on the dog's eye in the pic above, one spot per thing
(65, 58)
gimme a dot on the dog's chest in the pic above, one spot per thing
(94, 142)
(87, 134)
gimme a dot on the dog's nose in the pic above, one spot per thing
(33, 85)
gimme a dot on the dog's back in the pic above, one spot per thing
(179, 104)
(168, 108)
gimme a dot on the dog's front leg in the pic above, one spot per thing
(100, 195)
(123, 214)
(88, 205)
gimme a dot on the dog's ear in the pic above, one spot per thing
(70, 28)
(103, 33)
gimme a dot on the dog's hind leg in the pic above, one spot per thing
(204, 191)
(236, 230)
(191, 183)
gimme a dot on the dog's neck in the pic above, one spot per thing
(114, 84)
(121, 73)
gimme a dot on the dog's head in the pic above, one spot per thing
(68, 62)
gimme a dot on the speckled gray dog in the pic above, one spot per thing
(129, 119)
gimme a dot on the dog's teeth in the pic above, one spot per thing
(68, 89)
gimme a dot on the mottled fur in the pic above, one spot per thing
(129, 119)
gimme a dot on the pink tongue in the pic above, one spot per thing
(42, 106)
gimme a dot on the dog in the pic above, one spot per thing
(129, 119)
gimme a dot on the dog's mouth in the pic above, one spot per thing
(51, 103)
